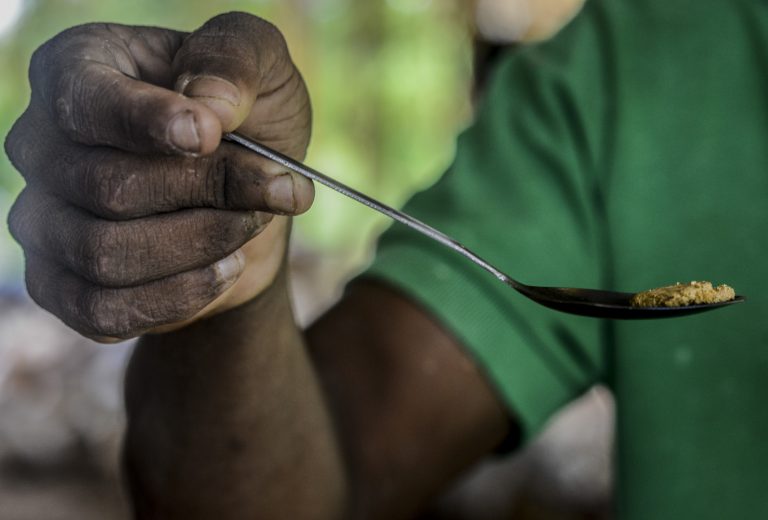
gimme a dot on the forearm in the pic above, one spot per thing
(226, 420)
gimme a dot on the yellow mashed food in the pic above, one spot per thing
(682, 294)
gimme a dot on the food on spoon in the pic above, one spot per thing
(681, 295)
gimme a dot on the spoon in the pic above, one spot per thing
(584, 302)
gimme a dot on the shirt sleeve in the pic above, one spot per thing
(526, 193)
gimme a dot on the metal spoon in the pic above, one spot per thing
(585, 302)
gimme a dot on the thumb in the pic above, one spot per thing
(228, 62)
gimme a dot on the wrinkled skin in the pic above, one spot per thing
(135, 217)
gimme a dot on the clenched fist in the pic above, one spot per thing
(135, 216)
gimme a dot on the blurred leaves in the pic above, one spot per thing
(388, 79)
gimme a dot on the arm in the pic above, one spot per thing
(147, 224)
(412, 409)
(226, 420)
(233, 416)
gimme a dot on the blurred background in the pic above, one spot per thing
(392, 83)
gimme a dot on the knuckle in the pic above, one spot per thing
(45, 67)
(113, 193)
(73, 38)
(53, 77)
(101, 313)
(53, 297)
(99, 255)
(15, 143)
(19, 218)
(15, 220)
(72, 68)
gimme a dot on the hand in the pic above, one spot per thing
(135, 217)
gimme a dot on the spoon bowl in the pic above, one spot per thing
(594, 303)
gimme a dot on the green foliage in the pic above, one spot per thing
(388, 81)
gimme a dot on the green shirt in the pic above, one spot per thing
(629, 152)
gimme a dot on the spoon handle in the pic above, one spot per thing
(392, 213)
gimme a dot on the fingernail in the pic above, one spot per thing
(212, 87)
(229, 269)
(220, 95)
(280, 194)
(182, 133)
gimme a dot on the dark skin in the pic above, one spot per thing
(137, 221)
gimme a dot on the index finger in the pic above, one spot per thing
(94, 82)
